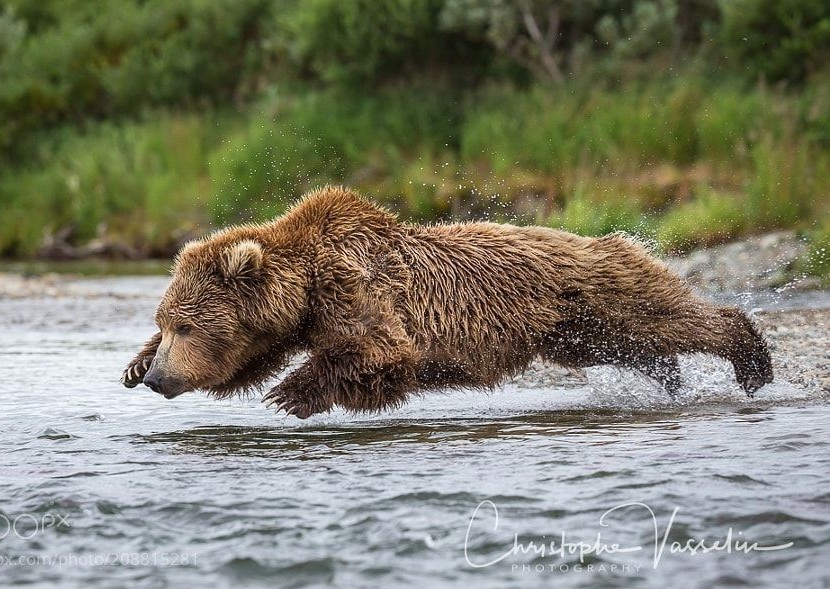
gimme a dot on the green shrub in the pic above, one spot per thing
(367, 40)
(586, 214)
(612, 131)
(730, 120)
(259, 170)
(124, 59)
(784, 182)
(710, 218)
(156, 118)
(818, 256)
(780, 39)
(144, 182)
(325, 137)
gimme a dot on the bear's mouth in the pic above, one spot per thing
(172, 394)
(167, 387)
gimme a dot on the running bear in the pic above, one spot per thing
(386, 309)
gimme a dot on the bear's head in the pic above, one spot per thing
(233, 309)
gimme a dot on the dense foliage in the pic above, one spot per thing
(687, 120)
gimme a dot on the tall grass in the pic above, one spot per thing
(326, 137)
(687, 160)
(140, 182)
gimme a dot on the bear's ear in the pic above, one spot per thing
(242, 260)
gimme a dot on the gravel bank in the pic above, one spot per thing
(15, 286)
(801, 346)
(763, 262)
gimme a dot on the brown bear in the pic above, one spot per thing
(385, 309)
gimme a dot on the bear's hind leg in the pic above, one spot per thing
(663, 369)
(434, 374)
(590, 342)
(747, 350)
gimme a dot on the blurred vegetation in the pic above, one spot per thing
(148, 121)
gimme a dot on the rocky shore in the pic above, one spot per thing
(17, 286)
(800, 339)
(759, 263)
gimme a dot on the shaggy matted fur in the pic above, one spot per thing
(385, 309)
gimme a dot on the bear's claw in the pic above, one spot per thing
(291, 407)
(134, 373)
(279, 406)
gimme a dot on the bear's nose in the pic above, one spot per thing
(153, 382)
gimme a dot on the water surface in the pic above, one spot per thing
(103, 486)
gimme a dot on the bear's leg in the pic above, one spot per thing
(435, 373)
(135, 371)
(663, 369)
(377, 387)
(722, 331)
(302, 393)
(590, 342)
(344, 376)
(747, 351)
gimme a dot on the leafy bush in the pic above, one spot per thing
(554, 39)
(785, 182)
(324, 137)
(366, 40)
(123, 59)
(587, 214)
(649, 26)
(781, 39)
(818, 257)
(708, 219)
(144, 182)
(155, 118)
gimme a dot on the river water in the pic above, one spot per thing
(599, 485)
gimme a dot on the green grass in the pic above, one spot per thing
(817, 262)
(586, 214)
(710, 218)
(687, 161)
(140, 182)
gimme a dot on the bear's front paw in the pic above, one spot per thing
(282, 400)
(135, 371)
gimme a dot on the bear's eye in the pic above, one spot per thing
(183, 329)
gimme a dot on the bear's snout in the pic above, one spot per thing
(153, 382)
(168, 387)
